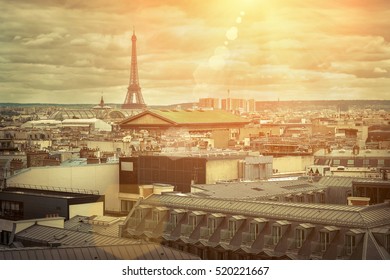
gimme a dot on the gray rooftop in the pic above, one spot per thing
(109, 252)
(98, 224)
(341, 181)
(46, 235)
(254, 190)
(326, 214)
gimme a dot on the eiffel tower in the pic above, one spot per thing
(134, 99)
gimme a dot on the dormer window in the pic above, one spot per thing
(175, 216)
(256, 226)
(232, 228)
(142, 211)
(158, 213)
(324, 240)
(194, 218)
(234, 223)
(193, 221)
(350, 243)
(173, 219)
(214, 221)
(352, 237)
(301, 233)
(278, 230)
(326, 234)
(276, 234)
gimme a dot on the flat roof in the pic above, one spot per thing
(255, 190)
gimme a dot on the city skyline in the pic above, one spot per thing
(71, 52)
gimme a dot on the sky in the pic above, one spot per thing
(71, 51)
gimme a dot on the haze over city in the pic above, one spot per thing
(74, 52)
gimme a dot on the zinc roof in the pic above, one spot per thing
(117, 252)
(256, 190)
(341, 181)
(327, 214)
(102, 225)
(45, 234)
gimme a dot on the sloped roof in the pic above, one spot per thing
(326, 214)
(255, 190)
(47, 235)
(109, 252)
(186, 117)
(103, 225)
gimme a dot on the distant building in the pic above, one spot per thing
(221, 125)
(41, 158)
(234, 104)
(209, 103)
(193, 120)
(355, 160)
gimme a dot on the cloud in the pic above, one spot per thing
(292, 49)
(379, 70)
(43, 39)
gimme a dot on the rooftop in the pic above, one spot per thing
(47, 235)
(326, 214)
(254, 190)
(106, 252)
(184, 117)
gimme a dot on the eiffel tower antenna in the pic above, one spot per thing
(134, 99)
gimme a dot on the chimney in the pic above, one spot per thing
(358, 201)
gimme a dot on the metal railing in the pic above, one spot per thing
(52, 188)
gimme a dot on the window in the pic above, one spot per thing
(127, 166)
(350, 241)
(232, 228)
(299, 198)
(192, 221)
(366, 162)
(212, 224)
(174, 219)
(300, 237)
(254, 229)
(336, 162)
(139, 214)
(11, 209)
(156, 216)
(126, 205)
(276, 234)
(324, 241)
(351, 162)
(381, 162)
